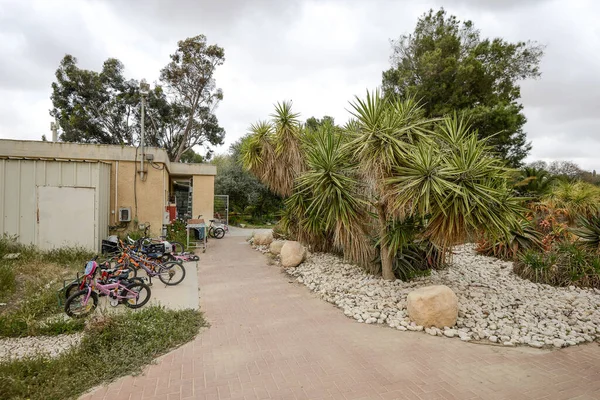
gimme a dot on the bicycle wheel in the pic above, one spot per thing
(142, 292)
(71, 289)
(178, 248)
(132, 272)
(129, 270)
(211, 232)
(75, 307)
(171, 273)
(219, 233)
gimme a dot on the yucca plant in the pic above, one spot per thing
(288, 151)
(327, 202)
(455, 179)
(574, 199)
(258, 151)
(389, 165)
(413, 256)
(272, 151)
(521, 239)
(380, 136)
(589, 232)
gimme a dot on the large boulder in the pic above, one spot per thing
(433, 306)
(292, 254)
(275, 247)
(263, 238)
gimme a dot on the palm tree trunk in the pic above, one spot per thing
(387, 259)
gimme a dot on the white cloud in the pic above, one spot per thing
(317, 53)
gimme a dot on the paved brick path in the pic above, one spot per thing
(272, 339)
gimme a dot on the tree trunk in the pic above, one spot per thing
(186, 132)
(387, 259)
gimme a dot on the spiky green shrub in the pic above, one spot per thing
(387, 164)
(588, 232)
(575, 199)
(519, 240)
(564, 265)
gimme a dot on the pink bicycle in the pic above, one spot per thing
(120, 291)
(185, 257)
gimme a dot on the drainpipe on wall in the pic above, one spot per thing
(144, 90)
(116, 192)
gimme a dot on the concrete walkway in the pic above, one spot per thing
(271, 338)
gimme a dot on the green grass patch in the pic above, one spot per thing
(29, 318)
(29, 284)
(115, 346)
(8, 282)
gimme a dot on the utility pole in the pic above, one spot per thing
(54, 130)
(144, 90)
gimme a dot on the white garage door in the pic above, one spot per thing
(66, 217)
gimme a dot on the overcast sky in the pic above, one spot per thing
(317, 53)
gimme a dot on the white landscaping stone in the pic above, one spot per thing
(450, 333)
(53, 346)
(292, 254)
(11, 256)
(493, 302)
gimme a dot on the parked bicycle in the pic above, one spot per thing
(170, 273)
(158, 248)
(119, 290)
(216, 229)
(107, 273)
(186, 257)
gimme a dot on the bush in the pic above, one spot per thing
(520, 240)
(564, 265)
(414, 255)
(117, 346)
(589, 232)
(176, 232)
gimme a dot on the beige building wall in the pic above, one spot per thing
(203, 196)
(150, 193)
(125, 184)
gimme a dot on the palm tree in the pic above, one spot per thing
(381, 134)
(388, 166)
(534, 182)
(272, 150)
(327, 209)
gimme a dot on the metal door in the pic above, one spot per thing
(222, 208)
(66, 217)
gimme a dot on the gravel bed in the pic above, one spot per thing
(495, 305)
(52, 346)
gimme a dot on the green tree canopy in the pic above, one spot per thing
(314, 124)
(95, 107)
(243, 188)
(448, 67)
(104, 107)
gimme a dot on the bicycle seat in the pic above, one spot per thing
(211, 220)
